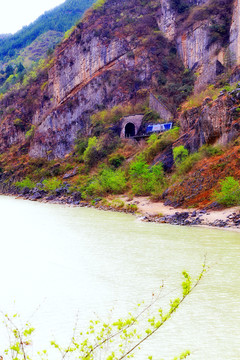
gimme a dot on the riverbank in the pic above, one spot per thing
(228, 218)
(143, 207)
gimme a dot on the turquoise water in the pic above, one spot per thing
(63, 261)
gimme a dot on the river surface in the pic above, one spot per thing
(62, 261)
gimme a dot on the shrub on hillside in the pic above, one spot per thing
(98, 4)
(80, 145)
(108, 181)
(99, 148)
(145, 180)
(19, 123)
(150, 116)
(152, 139)
(158, 144)
(179, 5)
(30, 133)
(187, 164)
(169, 137)
(180, 153)
(116, 160)
(26, 182)
(118, 204)
(210, 150)
(107, 117)
(113, 181)
(132, 208)
(229, 194)
(91, 155)
(180, 87)
(52, 184)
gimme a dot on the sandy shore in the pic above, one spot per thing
(157, 209)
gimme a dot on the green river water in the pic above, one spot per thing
(66, 260)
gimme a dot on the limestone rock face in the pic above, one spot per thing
(166, 19)
(193, 43)
(87, 76)
(10, 135)
(80, 90)
(234, 46)
(76, 66)
(197, 55)
(56, 132)
(214, 122)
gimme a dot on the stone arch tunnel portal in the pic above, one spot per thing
(130, 130)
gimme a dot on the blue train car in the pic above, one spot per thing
(159, 127)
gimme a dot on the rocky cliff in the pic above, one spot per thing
(214, 122)
(203, 38)
(234, 46)
(168, 15)
(113, 54)
(116, 54)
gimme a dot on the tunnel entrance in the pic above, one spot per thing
(129, 130)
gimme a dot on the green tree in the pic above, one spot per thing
(107, 181)
(145, 180)
(90, 154)
(140, 176)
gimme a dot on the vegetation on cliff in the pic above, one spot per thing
(105, 165)
(165, 166)
(218, 13)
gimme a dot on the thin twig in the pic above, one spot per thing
(124, 328)
(169, 314)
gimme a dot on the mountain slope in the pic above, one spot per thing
(116, 54)
(41, 46)
(71, 112)
(59, 19)
(112, 56)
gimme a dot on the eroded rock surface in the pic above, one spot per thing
(213, 122)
